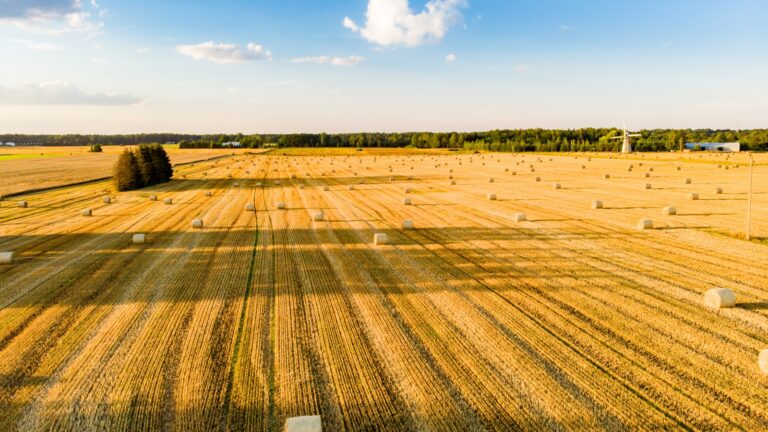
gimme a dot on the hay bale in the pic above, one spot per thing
(318, 216)
(406, 201)
(597, 204)
(669, 211)
(647, 186)
(647, 175)
(556, 186)
(533, 169)
(606, 176)
(762, 361)
(277, 182)
(645, 224)
(6, 257)
(453, 182)
(351, 187)
(687, 181)
(326, 188)
(537, 179)
(304, 424)
(491, 197)
(250, 207)
(280, 205)
(513, 173)
(139, 238)
(693, 196)
(197, 223)
(236, 184)
(168, 201)
(153, 197)
(490, 180)
(22, 204)
(107, 200)
(718, 191)
(407, 224)
(719, 298)
(520, 217)
(301, 185)
(87, 212)
(208, 193)
(679, 168)
(407, 190)
(380, 239)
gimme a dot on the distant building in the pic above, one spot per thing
(10, 144)
(714, 147)
(231, 144)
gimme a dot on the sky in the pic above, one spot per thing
(285, 66)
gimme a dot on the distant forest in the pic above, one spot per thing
(517, 140)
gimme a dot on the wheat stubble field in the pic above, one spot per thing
(571, 319)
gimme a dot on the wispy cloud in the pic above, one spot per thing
(34, 45)
(566, 27)
(141, 51)
(224, 53)
(392, 22)
(520, 68)
(332, 60)
(51, 17)
(60, 92)
(99, 60)
(450, 58)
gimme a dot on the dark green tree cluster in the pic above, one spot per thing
(95, 148)
(145, 166)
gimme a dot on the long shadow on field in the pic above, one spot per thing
(753, 305)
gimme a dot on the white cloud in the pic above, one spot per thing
(141, 51)
(521, 68)
(392, 22)
(566, 27)
(450, 58)
(60, 92)
(224, 53)
(99, 60)
(35, 45)
(333, 60)
(51, 17)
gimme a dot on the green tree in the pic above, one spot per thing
(127, 172)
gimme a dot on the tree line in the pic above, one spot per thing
(145, 166)
(517, 140)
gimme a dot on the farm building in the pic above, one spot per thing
(9, 144)
(715, 147)
(231, 144)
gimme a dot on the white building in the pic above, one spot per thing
(231, 144)
(714, 147)
(10, 144)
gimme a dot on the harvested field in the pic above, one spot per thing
(568, 319)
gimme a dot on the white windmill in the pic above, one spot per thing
(626, 147)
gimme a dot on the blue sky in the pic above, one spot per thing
(116, 66)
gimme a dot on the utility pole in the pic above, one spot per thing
(749, 198)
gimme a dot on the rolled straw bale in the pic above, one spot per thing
(197, 223)
(22, 204)
(407, 224)
(687, 181)
(6, 257)
(647, 186)
(407, 190)
(647, 175)
(693, 196)
(606, 176)
(719, 298)
(490, 180)
(168, 201)
(107, 200)
(380, 239)
(304, 424)
(281, 205)
(153, 197)
(407, 201)
(669, 211)
(762, 361)
(139, 238)
(491, 197)
(208, 193)
(326, 188)
(318, 216)
(87, 212)
(645, 224)
(519, 217)
(556, 186)
(597, 204)
(250, 207)
(538, 179)
(453, 182)
(351, 187)
(718, 190)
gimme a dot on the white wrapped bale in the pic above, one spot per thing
(250, 207)
(87, 212)
(380, 239)
(6, 257)
(693, 196)
(762, 361)
(107, 200)
(597, 205)
(669, 211)
(139, 238)
(491, 197)
(520, 217)
(318, 216)
(281, 205)
(304, 424)
(719, 298)
(645, 224)
(197, 223)
(407, 224)
(153, 197)
(168, 201)
(22, 204)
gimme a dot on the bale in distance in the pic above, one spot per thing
(22, 204)
(407, 224)
(491, 197)
(407, 201)
(647, 186)
(87, 212)
(520, 217)
(197, 223)
(208, 193)
(407, 190)
(6, 257)
(556, 186)
(453, 182)
(647, 175)
(490, 180)
(719, 298)
(168, 201)
(380, 239)
(718, 191)
(669, 211)
(687, 181)
(250, 207)
(280, 205)
(606, 176)
(301, 185)
(762, 361)
(597, 204)
(645, 224)
(351, 187)
(139, 238)
(318, 216)
(326, 188)
(277, 182)
(107, 199)
(537, 179)
(693, 196)
(153, 197)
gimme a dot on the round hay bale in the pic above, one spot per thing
(719, 298)
(407, 224)
(153, 197)
(513, 173)
(407, 201)
(168, 201)
(679, 168)
(407, 190)
(669, 211)
(250, 207)
(236, 184)
(597, 204)
(380, 239)
(645, 224)
(520, 217)
(208, 193)
(693, 196)
(257, 185)
(453, 182)
(718, 191)
(139, 238)
(351, 187)
(687, 181)
(762, 361)
(647, 186)
(22, 204)
(647, 175)
(606, 176)
(318, 216)
(490, 180)
(301, 185)
(277, 182)
(197, 223)
(280, 205)
(556, 186)
(491, 197)
(533, 169)
(87, 212)
(326, 188)
(6, 257)
(107, 200)
(537, 179)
